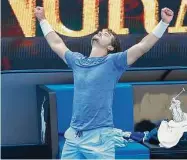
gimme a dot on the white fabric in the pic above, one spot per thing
(169, 133)
(178, 114)
(160, 29)
(117, 135)
(46, 27)
(182, 125)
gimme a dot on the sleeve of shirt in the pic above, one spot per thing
(120, 61)
(70, 58)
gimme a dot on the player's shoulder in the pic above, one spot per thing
(113, 55)
(74, 54)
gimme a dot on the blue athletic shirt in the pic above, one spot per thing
(95, 79)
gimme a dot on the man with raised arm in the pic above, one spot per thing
(95, 78)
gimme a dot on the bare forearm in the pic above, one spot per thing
(53, 39)
(148, 42)
(51, 36)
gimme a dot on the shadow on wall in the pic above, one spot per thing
(144, 125)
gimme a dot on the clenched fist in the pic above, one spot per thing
(167, 15)
(39, 13)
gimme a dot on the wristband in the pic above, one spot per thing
(46, 27)
(160, 29)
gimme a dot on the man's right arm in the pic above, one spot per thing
(56, 44)
(54, 41)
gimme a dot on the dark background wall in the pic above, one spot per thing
(19, 121)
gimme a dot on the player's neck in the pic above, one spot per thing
(98, 52)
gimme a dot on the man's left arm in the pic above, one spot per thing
(150, 40)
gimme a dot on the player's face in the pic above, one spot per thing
(103, 38)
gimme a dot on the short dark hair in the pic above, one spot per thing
(115, 42)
